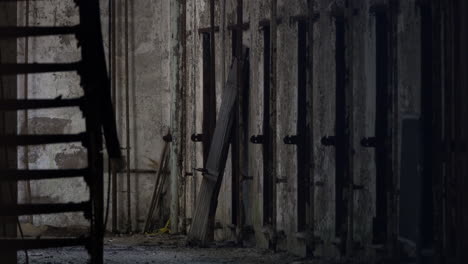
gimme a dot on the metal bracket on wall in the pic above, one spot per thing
(369, 142)
(358, 187)
(246, 178)
(265, 23)
(202, 170)
(337, 12)
(378, 9)
(281, 180)
(244, 26)
(291, 140)
(167, 138)
(257, 139)
(232, 227)
(208, 30)
(303, 18)
(197, 137)
(318, 184)
(309, 237)
(328, 141)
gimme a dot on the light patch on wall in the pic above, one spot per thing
(73, 157)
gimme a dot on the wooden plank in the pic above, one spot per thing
(213, 174)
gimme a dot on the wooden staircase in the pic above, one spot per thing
(96, 107)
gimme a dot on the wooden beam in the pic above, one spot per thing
(215, 165)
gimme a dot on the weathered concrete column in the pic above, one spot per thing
(176, 110)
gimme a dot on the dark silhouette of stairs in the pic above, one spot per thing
(96, 107)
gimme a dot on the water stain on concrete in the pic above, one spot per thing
(75, 157)
(46, 125)
(33, 154)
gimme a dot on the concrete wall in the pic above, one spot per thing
(54, 121)
(150, 104)
(361, 66)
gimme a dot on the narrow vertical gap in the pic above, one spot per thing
(245, 178)
(209, 119)
(268, 180)
(450, 228)
(235, 149)
(437, 155)
(340, 127)
(381, 127)
(426, 220)
(459, 127)
(234, 43)
(303, 184)
(209, 96)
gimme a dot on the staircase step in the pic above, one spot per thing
(36, 209)
(23, 104)
(24, 175)
(29, 244)
(31, 68)
(25, 140)
(18, 32)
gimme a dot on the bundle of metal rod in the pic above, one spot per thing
(158, 189)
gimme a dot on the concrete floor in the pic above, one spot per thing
(159, 249)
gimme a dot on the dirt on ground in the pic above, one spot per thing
(164, 248)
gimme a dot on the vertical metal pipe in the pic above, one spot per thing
(194, 113)
(273, 111)
(113, 89)
(209, 102)
(394, 123)
(341, 159)
(222, 31)
(26, 112)
(349, 99)
(176, 101)
(437, 156)
(213, 47)
(240, 163)
(267, 180)
(310, 97)
(127, 121)
(183, 121)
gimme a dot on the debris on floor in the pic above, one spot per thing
(167, 249)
